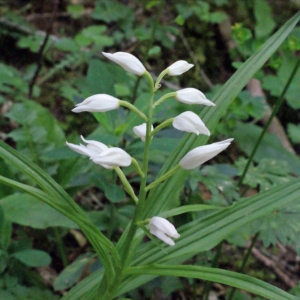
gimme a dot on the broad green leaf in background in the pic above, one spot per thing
(26, 210)
(264, 21)
(270, 146)
(72, 273)
(100, 81)
(33, 258)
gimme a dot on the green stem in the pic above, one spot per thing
(60, 247)
(126, 184)
(241, 270)
(162, 125)
(133, 108)
(126, 249)
(159, 78)
(214, 264)
(163, 98)
(274, 112)
(137, 167)
(163, 178)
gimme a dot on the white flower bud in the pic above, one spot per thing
(179, 67)
(190, 122)
(140, 131)
(93, 147)
(200, 155)
(192, 96)
(97, 103)
(127, 61)
(163, 229)
(112, 157)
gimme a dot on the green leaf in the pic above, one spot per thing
(294, 132)
(264, 21)
(187, 208)
(55, 196)
(33, 258)
(72, 273)
(29, 211)
(115, 193)
(233, 279)
(271, 147)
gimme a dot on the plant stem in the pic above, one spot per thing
(214, 264)
(274, 112)
(126, 249)
(162, 125)
(163, 98)
(241, 270)
(60, 247)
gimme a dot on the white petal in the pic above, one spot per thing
(81, 149)
(112, 157)
(97, 103)
(159, 234)
(192, 96)
(164, 225)
(200, 155)
(140, 131)
(95, 146)
(179, 67)
(127, 61)
(190, 122)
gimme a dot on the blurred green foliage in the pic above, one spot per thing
(73, 69)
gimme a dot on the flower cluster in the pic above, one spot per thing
(188, 121)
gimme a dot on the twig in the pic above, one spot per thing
(270, 264)
(41, 50)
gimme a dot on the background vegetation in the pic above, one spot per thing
(50, 59)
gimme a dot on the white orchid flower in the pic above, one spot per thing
(192, 96)
(178, 68)
(97, 103)
(190, 122)
(140, 131)
(163, 229)
(112, 157)
(127, 61)
(91, 149)
(200, 155)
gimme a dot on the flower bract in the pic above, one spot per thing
(178, 68)
(163, 229)
(112, 157)
(192, 96)
(97, 103)
(140, 131)
(190, 122)
(200, 155)
(127, 61)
